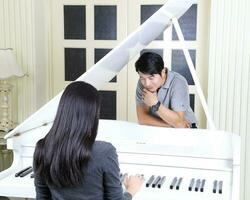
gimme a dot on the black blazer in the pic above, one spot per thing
(101, 179)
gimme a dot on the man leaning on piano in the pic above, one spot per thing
(162, 96)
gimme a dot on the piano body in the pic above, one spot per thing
(182, 153)
(194, 164)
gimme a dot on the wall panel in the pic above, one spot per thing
(18, 21)
(229, 75)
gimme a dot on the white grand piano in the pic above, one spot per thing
(196, 164)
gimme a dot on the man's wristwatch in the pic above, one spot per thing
(155, 108)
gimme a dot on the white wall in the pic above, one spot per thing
(229, 75)
(22, 28)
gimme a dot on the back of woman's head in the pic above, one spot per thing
(61, 156)
(78, 110)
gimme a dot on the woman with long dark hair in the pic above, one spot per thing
(69, 163)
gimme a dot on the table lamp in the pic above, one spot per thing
(8, 68)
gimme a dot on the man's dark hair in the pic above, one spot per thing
(149, 63)
(60, 157)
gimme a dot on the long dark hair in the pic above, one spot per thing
(61, 156)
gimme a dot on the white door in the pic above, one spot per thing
(84, 32)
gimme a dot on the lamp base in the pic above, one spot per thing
(6, 124)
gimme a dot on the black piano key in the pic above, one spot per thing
(151, 179)
(178, 184)
(122, 177)
(197, 185)
(220, 187)
(142, 175)
(191, 184)
(26, 172)
(202, 185)
(173, 183)
(215, 186)
(161, 182)
(23, 170)
(158, 178)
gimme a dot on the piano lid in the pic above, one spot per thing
(114, 61)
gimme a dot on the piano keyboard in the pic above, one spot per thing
(177, 183)
(192, 185)
(160, 183)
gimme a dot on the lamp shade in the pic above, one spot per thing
(8, 64)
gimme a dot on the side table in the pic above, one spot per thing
(6, 155)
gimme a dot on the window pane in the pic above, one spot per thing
(74, 22)
(99, 54)
(146, 12)
(75, 63)
(108, 104)
(192, 101)
(188, 24)
(105, 23)
(179, 64)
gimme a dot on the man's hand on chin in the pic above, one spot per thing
(149, 98)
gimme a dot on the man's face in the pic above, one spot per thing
(151, 82)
